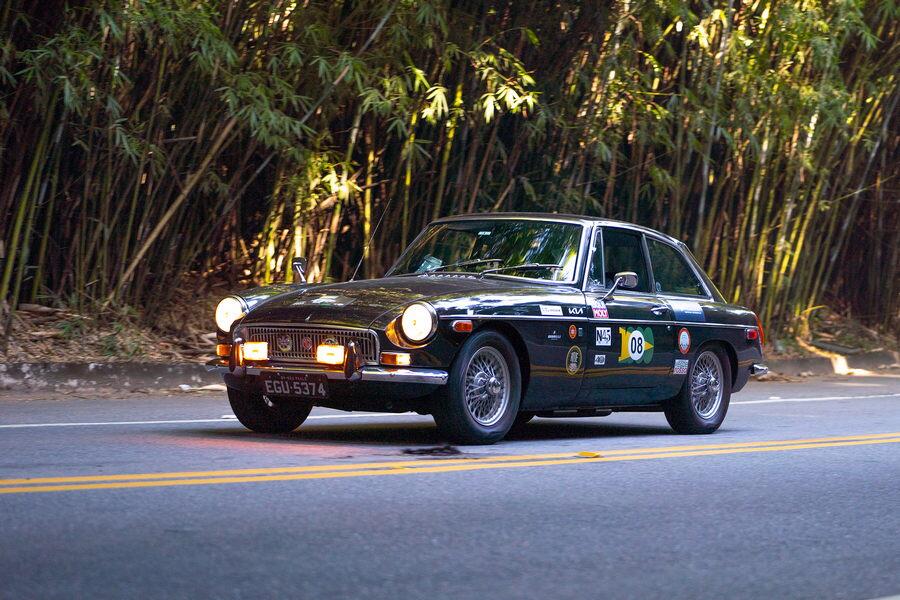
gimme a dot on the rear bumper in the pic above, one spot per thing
(758, 369)
(371, 373)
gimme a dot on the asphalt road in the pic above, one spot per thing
(797, 496)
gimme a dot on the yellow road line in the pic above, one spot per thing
(446, 468)
(424, 463)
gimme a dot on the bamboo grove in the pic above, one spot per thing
(146, 144)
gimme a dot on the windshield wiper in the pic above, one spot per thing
(522, 266)
(462, 263)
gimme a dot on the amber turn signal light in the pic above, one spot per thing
(462, 326)
(398, 359)
(330, 354)
(223, 349)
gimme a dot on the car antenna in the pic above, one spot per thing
(371, 237)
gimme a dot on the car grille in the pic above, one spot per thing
(298, 344)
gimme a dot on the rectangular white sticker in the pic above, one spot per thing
(603, 336)
(681, 366)
(687, 310)
(599, 360)
(551, 311)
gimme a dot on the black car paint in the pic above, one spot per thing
(513, 306)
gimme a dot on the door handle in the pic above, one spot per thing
(659, 309)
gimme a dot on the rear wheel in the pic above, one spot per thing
(702, 403)
(264, 415)
(481, 399)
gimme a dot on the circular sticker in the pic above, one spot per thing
(636, 345)
(684, 340)
(573, 360)
(573, 332)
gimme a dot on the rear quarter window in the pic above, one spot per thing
(671, 271)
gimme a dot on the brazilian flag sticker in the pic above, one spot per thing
(637, 345)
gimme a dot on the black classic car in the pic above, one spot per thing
(486, 321)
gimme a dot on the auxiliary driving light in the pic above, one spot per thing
(256, 351)
(330, 354)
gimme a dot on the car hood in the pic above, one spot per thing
(362, 303)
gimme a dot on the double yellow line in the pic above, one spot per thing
(411, 467)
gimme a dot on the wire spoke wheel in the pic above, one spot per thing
(487, 386)
(706, 385)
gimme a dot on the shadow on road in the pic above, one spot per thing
(426, 434)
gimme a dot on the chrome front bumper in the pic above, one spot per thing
(365, 373)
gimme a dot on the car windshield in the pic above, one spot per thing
(544, 250)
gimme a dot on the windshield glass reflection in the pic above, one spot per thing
(543, 250)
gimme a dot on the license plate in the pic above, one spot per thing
(302, 385)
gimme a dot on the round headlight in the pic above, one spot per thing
(228, 311)
(418, 322)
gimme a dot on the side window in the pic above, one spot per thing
(622, 251)
(671, 272)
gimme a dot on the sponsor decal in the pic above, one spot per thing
(554, 335)
(576, 310)
(551, 311)
(684, 340)
(681, 366)
(573, 332)
(603, 336)
(687, 310)
(306, 343)
(600, 312)
(284, 343)
(637, 345)
(599, 360)
(573, 360)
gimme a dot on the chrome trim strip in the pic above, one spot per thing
(367, 373)
(405, 375)
(597, 321)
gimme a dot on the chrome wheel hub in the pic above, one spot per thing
(487, 386)
(706, 385)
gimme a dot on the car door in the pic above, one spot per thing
(630, 338)
(690, 302)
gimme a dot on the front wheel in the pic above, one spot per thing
(702, 403)
(480, 402)
(260, 414)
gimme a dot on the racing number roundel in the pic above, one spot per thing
(684, 340)
(637, 345)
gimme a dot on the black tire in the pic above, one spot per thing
(683, 414)
(257, 415)
(452, 413)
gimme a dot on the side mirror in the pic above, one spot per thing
(298, 266)
(627, 280)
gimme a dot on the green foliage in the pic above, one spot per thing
(141, 141)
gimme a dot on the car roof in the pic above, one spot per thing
(583, 220)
